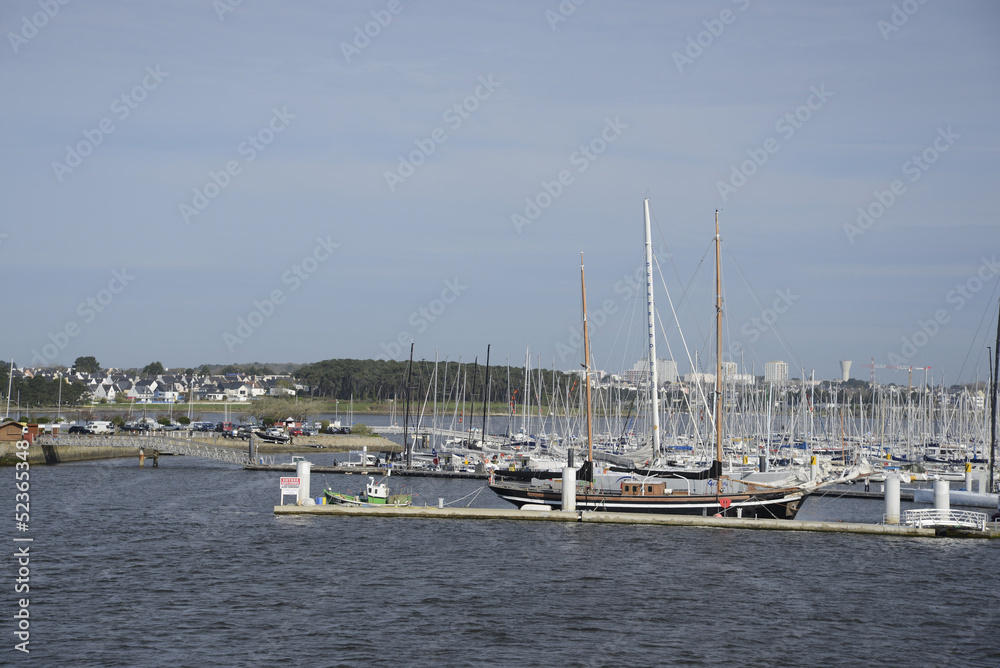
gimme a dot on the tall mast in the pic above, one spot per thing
(993, 403)
(651, 315)
(586, 366)
(486, 395)
(717, 466)
(406, 415)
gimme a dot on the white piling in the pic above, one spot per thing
(968, 479)
(569, 489)
(941, 495)
(302, 471)
(891, 498)
(814, 468)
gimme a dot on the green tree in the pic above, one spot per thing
(87, 365)
(152, 369)
(184, 419)
(205, 370)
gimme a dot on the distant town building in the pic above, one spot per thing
(776, 372)
(696, 377)
(666, 371)
(730, 375)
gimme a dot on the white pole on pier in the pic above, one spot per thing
(942, 500)
(891, 498)
(569, 489)
(302, 471)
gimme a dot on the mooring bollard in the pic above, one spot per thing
(440, 502)
(891, 498)
(942, 495)
(142, 459)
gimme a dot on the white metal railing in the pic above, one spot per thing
(934, 517)
(178, 446)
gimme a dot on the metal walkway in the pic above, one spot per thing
(177, 446)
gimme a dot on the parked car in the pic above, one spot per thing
(295, 431)
(137, 427)
(77, 429)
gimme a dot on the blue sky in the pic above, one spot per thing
(310, 251)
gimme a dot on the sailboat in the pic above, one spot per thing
(715, 494)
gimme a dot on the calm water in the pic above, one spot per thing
(186, 565)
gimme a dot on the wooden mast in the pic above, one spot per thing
(586, 366)
(717, 465)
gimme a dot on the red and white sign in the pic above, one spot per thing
(290, 483)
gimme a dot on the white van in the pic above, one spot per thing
(101, 427)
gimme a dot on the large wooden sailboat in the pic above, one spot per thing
(715, 494)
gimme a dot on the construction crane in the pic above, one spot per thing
(909, 384)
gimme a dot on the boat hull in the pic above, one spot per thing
(777, 504)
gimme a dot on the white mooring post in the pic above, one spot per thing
(942, 491)
(302, 471)
(814, 468)
(891, 499)
(569, 489)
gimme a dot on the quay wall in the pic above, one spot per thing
(59, 454)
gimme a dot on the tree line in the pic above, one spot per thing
(381, 380)
(39, 391)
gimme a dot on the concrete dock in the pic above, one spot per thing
(429, 512)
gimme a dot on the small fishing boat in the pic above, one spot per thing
(376, 494)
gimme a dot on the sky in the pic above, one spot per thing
(227, 182)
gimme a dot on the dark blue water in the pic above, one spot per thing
(186, 565)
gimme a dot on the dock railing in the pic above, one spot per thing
(935, 517)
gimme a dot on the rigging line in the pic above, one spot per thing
(774, 326)
(975, 336)
(694, 422)
(686, 294)
(670, 256)
(679, 331)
